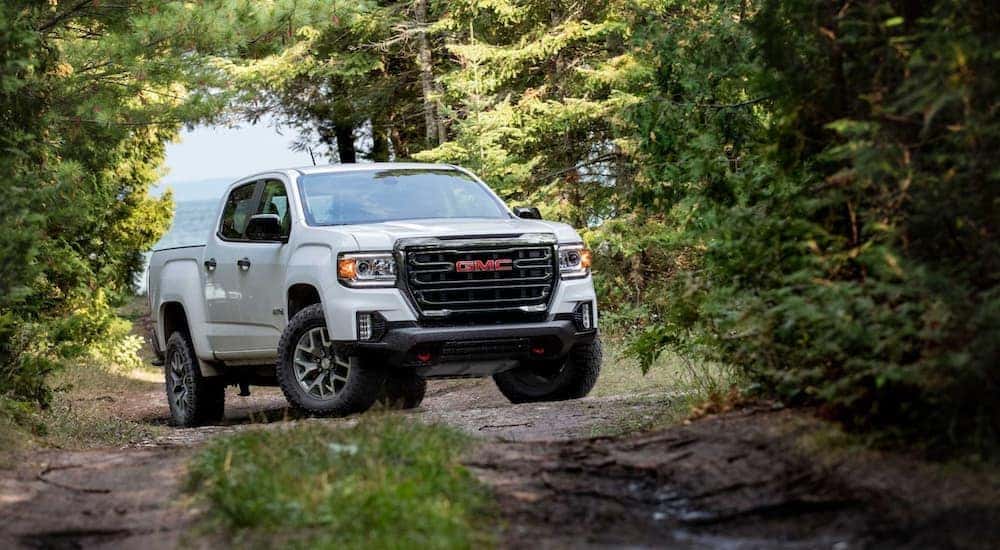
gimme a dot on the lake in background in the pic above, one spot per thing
(192, 222)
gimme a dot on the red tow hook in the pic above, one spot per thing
(424, 356)
(538, 350)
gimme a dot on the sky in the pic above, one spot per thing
(224, 155)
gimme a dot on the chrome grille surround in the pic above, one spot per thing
(436, 290)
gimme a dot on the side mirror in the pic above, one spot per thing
(527, 212)
(265, 227)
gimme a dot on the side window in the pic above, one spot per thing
(274, 200)
(237, 211)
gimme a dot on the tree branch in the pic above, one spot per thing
(63, 16)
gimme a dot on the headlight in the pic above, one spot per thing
(367, 270)
(574, 261)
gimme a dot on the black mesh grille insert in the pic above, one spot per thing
(481, 279)
(480, 350)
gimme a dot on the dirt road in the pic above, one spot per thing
(736, 481)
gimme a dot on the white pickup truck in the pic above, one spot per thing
(350, 284)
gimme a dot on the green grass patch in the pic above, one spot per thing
(669, 374)
(19, 428)
(89, 408)
(676, 385)
(385, 482)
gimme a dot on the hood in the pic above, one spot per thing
(382, 236)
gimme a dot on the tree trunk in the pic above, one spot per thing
(442, 129)
(433, 134)
(380, 144)
(400, 147)
(345, 142)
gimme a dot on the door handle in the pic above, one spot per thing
(244, 264)
(210, 264)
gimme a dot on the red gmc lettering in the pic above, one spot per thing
(467, 266)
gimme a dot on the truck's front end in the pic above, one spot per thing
(479, 305)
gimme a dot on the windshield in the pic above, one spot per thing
(364, 196)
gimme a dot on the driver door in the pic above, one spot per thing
(244, 296)
(263, 275)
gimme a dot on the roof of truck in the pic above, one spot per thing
(368, 166)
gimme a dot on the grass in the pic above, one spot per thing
(87, 411)
(677, 385)
(385, 482)
(19, 429)
(93, 393)
(670, 374)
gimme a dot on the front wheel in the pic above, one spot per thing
(315, 377)
(570, 378)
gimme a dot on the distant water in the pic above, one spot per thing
(192, 222)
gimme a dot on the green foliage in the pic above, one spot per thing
(386, 482)
(898, 268)
(532, 103)
(850, 258)
(77, 166)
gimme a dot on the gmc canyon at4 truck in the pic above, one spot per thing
(347, 285)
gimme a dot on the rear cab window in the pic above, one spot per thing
(237, 211)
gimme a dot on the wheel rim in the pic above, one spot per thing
(320, 372)
(178, 387)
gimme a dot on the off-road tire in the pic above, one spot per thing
(403, 390)
(364, 382)
(572, 379)
(204, 399)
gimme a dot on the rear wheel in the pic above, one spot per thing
(404, 390)
(318, 379)
(194, 400)
(570, 378)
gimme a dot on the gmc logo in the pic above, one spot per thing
(468, 266)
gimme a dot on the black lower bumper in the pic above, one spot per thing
(450, 351)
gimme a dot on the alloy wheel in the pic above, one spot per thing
(177, 372)
(320, 372)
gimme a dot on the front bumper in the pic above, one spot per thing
(473, 351)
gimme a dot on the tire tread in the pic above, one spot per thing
(209, 395)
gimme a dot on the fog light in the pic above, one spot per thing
(587, 320)
(364, 326)
(583, 316)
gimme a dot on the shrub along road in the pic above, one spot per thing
(750, 478)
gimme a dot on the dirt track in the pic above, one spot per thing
(736, 481)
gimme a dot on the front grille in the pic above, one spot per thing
(439, 289)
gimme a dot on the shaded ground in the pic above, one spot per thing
(741, 480)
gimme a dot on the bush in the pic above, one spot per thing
(850, 258)
(75, 206)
